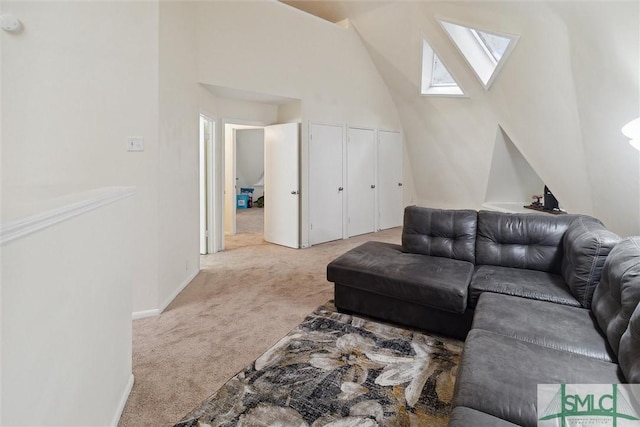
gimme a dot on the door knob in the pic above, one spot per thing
(340, 188)
(294, 192)
(373, 186)
(399, 184)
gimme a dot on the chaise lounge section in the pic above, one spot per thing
(449, 257)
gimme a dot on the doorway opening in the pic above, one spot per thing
(244, 177)
(208, 241)
(277, 180)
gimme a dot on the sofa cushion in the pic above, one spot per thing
(550, 325)
(440, 232)
(499, 375)
(384, 269)
(629, 350)
(618, 293)
(586, 245)
(462, 416)
(520, 282)
(530, 241)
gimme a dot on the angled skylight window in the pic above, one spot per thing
(436, 78)
(440, 76)
(485, 51)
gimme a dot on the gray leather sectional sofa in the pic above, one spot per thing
(541, 299)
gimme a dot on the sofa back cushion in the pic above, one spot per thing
(440, 232)
(586, 245)
(618, 292)
(531, 241)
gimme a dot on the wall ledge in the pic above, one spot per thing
(77, 204)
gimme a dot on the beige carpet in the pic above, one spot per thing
(242, 302)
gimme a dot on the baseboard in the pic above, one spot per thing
(156, 311)
(178, 290)
(123, 402)
(144, 313)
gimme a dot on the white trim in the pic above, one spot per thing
(157, 311)
(428, 54)
(144, 313)
(474, 52)
(123, 401)
(90, 201)
(180, 288)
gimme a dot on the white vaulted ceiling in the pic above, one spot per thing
(568, 87)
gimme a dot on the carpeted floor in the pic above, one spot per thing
(243, 301)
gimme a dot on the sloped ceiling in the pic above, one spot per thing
(567, 89)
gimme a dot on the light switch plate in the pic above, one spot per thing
(135, 143)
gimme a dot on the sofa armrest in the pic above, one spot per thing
(587, 244)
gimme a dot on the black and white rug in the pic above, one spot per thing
(338, 370)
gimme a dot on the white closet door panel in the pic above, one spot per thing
(390, 205)
(325, 183)
(361, 181)
(281, 184)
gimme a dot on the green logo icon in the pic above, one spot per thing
(611, 406)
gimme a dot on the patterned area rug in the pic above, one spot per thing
(338, 370)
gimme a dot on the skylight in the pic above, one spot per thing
(440, 76)
(485, 51)
(436, 78)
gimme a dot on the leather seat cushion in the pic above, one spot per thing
(550, 325)
(462, 416)
(383, 268)
(499, 375)
(532, 284)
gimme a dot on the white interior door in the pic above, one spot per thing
(361, 181)
(326, 189)
(282, 184)
(390, 205)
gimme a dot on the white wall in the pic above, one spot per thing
(605, 49)
(566, 90)
(66, 320)
(275, 49)
(77, 81)
(178, 152)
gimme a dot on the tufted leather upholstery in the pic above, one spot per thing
(384, 269)
(629, 351)
(440, 232)
(586, 245)
(618, 293)
(531, 241)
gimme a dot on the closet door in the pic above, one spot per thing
(390, 205)
(361, 181)
(326, 188)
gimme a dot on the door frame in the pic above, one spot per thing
(207, 161)
(225, 150)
